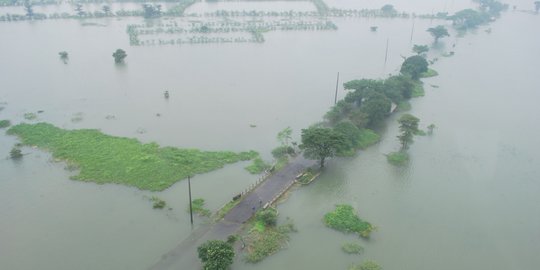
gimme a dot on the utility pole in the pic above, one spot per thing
(337, 85)
(190, 206)
(386, 54)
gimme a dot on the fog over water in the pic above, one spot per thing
(467, 200)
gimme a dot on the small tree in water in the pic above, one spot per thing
(216, 255)
(408, 125)
(64, 56)
(438, 32)
(420, 49)
(119, 56)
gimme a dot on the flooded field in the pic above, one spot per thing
(468, 198)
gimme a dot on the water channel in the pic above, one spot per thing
(467, 200)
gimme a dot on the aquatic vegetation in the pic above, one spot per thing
(257, 166)
(119, 56)
(352, 248)
(429, 73)
(158, 203)
(367, 265)
(5, 123)
(108, 159)
(198, 207)
(15, 153)
(418, 90)
(265, 239)
(398, 158)
(345, 220)
(30, 116)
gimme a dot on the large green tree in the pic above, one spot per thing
(438, 32)
(408, 126)
(119, 56)
(414, 66)
(321, 143)
(376, 106)
(216, 255)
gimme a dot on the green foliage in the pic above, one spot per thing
(359, 118)
(352, 248)
(321, 6)
(418, 90)
(367, 265)
(345, 220)
(469, 18)
(398, 158)
(388, 9)
(257, 166)
(420, 49)
(282, 151)
(377, 106)
(438, 32)
(267, 216)
(30, 116)
(198, 207)
(119, 56)
(429, 73)
(284, 136)
(158, 203)
(108, 159)
(367, 138)
(5, 123)
(321, 143)
(414, 66)
(231, 239)
(15, 153)
(408, 126)
(216, 255)
(151, 11)
(404, 106)
(263, 244)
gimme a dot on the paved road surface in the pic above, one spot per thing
(186, 252)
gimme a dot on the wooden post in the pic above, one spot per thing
(190, 206)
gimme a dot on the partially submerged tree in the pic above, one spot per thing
(79, 9)
(284, 136)
(388, 9)
(438, 32)
(321, 143)
(119, 56)
(29, 8)
(106, 9)
(216, 255)
(414, 66)
(420, 49)
(408, 126)
(64, 56)
(151, 11)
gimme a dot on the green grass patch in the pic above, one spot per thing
(5, 123)
(430, 73)
(352, 248)
(198, 207)
(264, 240)
(307, 176)
(404, 106)
(398, 158)
(225, 209)
(345, 220)
(257, 166)
(367, 138)
(107, 159)
(418, 90)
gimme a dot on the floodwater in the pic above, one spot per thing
(467, 200)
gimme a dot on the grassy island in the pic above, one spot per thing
(345, 220)
(107, 159)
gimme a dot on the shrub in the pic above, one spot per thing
(352, 248)
(267, 216)
(158, 203)
(15, 153)
(345, 220)
(216, 255)
(398, 158)
(5, 123)
(282, 151)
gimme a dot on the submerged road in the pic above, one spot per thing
(185, 254)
